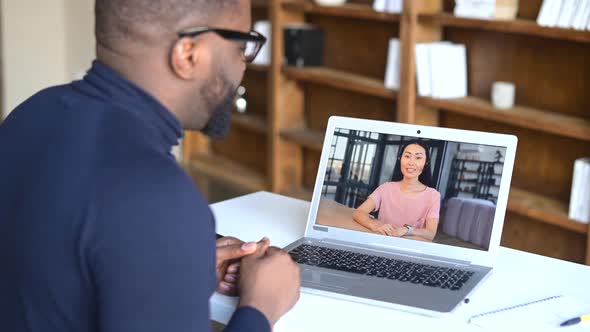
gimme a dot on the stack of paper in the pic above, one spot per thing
(392, 71)
(389, 6)
(441, 70)
(487, 9)
(264, 55)
(580, 196)
(565, 14)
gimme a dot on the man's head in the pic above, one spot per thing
(195, 75)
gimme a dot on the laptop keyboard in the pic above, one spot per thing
(381, 267)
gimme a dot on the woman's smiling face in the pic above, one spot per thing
(413, 160)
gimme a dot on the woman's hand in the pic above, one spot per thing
(382, 228)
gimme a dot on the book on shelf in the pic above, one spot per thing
(579, 208)
(380, 5)
(388, 6)
(392, 71)
(395, 6)
(264, 55)
(543, 16)
(585, 25)
(487, 9)
(566, 13)
(581, 15)
(423, 76)
(441, 69)
(549, 13)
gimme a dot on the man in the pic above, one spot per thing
(100, 230)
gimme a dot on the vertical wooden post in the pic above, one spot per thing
(286, 107)
(412, 32)
(407, 94)
(195, 145)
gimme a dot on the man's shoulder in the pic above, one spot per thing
(42, 99)
(155, 190)
(146, 173)
(64, 104)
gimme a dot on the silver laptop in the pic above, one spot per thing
(405, 216)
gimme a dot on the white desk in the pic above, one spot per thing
(518, 277)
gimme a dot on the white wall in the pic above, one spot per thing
(44, 43)
(80, 50)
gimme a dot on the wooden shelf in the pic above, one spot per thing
(341, 80)
(251, 121)
(260, 4)
(517, 26)
(300, 193)
(308, 138)
(348, 10)
(257, 68)
(229, 171)
(543, 209)
(525, 117)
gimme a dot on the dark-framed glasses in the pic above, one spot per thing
(253, 41)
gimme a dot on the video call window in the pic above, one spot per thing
(414, 188)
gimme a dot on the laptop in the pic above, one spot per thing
(443, 237)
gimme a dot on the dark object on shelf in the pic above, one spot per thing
(304, 45)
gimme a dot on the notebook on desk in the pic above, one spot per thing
(381, 231)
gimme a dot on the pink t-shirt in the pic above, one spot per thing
(399, 208)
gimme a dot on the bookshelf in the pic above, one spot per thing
(226, 170)
(550, 118)
(276, 144)
(253, 122)
(518, 26)
(341, 80)
(361, 10)
(522, 116)
(309, 139)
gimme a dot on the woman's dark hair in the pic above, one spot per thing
(426, 176)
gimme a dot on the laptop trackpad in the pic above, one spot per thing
(327, 279)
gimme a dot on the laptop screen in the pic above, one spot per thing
(415, 188)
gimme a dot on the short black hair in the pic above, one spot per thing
(426, 176)
(124, 20)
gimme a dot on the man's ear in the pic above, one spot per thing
(189, 57)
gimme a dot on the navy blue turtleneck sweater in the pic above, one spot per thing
(100, 229)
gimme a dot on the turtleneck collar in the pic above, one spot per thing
(110, 85)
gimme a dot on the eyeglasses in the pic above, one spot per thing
(253, 41)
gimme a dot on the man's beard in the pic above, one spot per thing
(219, 123)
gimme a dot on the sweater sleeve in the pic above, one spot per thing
(248, 319)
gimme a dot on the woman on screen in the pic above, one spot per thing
(408, 205)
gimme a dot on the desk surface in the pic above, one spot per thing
(518, 277)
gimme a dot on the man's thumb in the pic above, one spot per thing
(236, 250)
